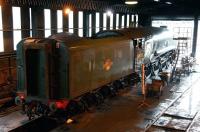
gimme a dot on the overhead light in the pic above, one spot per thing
(131, 2)
(156, 0)
(109, 13)
(169, 3)
(67, 10)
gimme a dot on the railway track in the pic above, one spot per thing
(41, 124)
(174, 118)
(164, 121)
(9, 110)
(8, 107)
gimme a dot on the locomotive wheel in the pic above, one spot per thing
(44, 109)
(104, 91)
(112, 91)
(83, 104)
(117, 84)
(99, 98)
(88, 99)
(92, 99)
(125, 82)
(30, 112)
(73, 108)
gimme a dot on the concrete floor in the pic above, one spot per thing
(122, 114)
(11, 121)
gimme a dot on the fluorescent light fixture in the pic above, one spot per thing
(131, 2)
(156, 0)
(169, 3)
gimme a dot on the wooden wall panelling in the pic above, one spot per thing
(7, 27)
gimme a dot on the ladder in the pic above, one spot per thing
(174, 64)
(182, 51)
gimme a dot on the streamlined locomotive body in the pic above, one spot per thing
(57, 70)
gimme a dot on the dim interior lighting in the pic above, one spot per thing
(67, 10)
(156, 0)
(131, 2)
(109, 13)
(169, 3)
(69, 121)
(22, 97)
(107, 64)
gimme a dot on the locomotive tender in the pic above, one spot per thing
(52, 71)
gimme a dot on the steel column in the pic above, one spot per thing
(65, 21)
(85, 24)
(134, 54)
(134, 21)
(38, 22)
(93, 23)
(130, 22)
(101, 21)
(76, 22)
(25, 22)
(125, 20)
(107, 22)
(120, 21)
(53, 21)
(195, 34)
(114, 21)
